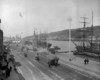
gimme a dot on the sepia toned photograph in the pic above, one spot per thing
(49, 39)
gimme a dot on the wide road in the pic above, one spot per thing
(39, 70)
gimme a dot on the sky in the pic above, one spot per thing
(22, 17)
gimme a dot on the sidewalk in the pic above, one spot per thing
(93, 68)
(14, 75)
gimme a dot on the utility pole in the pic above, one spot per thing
(84, 28)
(69, 20)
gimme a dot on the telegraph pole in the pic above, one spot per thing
(69, 20)
(84, 28)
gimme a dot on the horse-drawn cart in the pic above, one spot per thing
(53, 60)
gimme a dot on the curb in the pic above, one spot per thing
(20, 75)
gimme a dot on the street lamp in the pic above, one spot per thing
(69, 20)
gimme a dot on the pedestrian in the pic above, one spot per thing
(85, 61)
(7, 70)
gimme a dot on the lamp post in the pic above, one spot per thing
(69, 20)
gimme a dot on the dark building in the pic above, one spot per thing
(1, 40)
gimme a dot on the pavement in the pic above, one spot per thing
(93, 68)
(15, 74)
(33, 70)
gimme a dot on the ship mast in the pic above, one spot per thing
(46, 38)
(84, 30)
(92, 31)
(40, 37)
(34, 40)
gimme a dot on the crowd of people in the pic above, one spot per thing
(6, 63)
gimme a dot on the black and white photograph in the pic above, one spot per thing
(49, 39)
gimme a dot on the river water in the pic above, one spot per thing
(64, 45)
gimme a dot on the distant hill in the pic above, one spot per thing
(75, 34)
(27, 38)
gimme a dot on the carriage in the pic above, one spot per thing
(50, 59)
(53, 60)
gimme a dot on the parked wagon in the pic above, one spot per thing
(53, 60)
